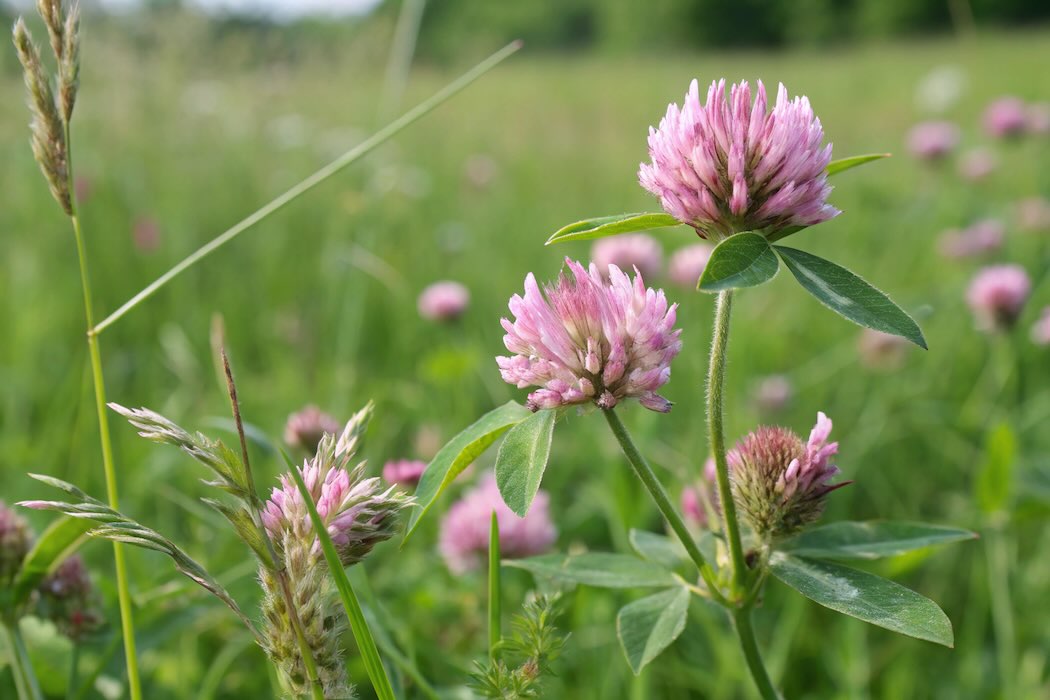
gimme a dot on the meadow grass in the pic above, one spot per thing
(319, 306)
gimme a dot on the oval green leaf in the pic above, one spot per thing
(864, 596)
(659, 549)
(849, 296)
(742, 260)
(648, 626)
(837, 166)
(612, 225)
(870, 540)
(458, 453)
(603, 570)
(522, 458)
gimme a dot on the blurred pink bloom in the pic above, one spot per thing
(1038, 118)
(1041, 328)
(146, 235)
(983, 237)
(305, 428)
(700, 500)
(464, 538)
(633, 250)
(773, 393)
(997, 294)
(780, 483)
(1033, 214)
(687, 264)
(590, 340)
(933, 140)
(15, 541)
(1006, 116)
(68, 598)
(729, 166)
(480, 170)
(404, 472)
(83, 187)
(881, 351)
(977, 164)
(443, 301)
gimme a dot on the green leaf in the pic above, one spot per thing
(870, 540)
(849, 296)
(600, 569)
(996, 473)
(648, 626)
(658, 549)
(864, 596)
(457, 455)
(522, 458)
(611, 225)
(61, 538)
(742, 260)
(837, 166)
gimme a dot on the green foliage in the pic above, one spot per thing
(522, 459)
(742, 260)
(61, 538)
(525, 657)
(658, 549)
(648, 626)
(837, 166)
(995, 477)
(611, 225)
(597, 569)
(870, 540)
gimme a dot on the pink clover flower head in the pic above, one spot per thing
(358, 512)
(881, 351)
(404, 472)
(983, 237)
(932, 141)
(780, 483)
(1038, 119)
(305, 428)
(773, 393)
(146, 235)
(997, 294)
(700, 500)
(464, 538)
(443, 301)
(730, 165)
(977, 164)
(634, 250)
(590, 341)
(1041, 329)
(1005, 117)
(1033, 215)
(15, 540)
(68, 598)
(687, 264)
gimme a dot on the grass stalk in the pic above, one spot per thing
(495, 614)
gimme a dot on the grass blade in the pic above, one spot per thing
(495, 632)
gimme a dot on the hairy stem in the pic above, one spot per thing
(127, 625)
(716, 375)
(659, 495)
(746, 633)
(25, 680)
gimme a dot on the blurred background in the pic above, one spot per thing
(193, 114)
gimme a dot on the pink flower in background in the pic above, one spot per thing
(779, 483)
(1041, 328)
(590, 340)
(1038, 119)
(773, 393)
(634, 250)
(15, 541)
(729, 165)
(881, 351)
(997, 294)
(83, 187)
(983, 237)
(404, 472)
(443, 301)
(1033, 215)
(977, 164)
(305, 428)
(933, 140)
(145, 234)
(68, 598)
(1006, 116)
(700, 500)
(464, 538)
(687, 264)
(480, 170)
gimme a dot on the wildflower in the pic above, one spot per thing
(305, 428)
(636, 250)
(1038, 118)
(1033, 214)
(687, 264)
(404, 472)
(977, 164)
(700, 500)
(729, 166)
(985, 236)
(1005, 117)
(15, 541)
(1041, 329)
(464, 538)
(997, 294)
(780, 483)
(480, 170)
(881, 351)
(443, 301)
(69, 599)
(145, 235)
(590, 340)
(932, 141)
(773, 393)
